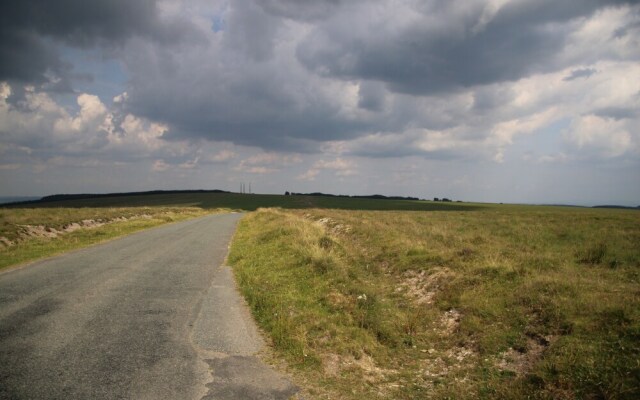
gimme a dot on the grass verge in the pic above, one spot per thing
(506, 302)
(30, 234)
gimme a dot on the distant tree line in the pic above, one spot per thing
(620, 207)
(59, 197)
(373, 196)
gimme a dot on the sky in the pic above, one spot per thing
(521, 101)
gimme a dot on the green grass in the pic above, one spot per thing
(15, 223)
(502, 302)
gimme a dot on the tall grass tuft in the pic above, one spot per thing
(593, 254)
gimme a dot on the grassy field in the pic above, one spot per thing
(407, 299)
(35, 230)
(28, 234)
(502, 302)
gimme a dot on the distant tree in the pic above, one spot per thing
(436, 199)
(287, 193)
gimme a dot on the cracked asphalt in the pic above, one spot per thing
(154, 315)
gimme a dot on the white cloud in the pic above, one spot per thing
(223, 155)
(45, 128)
(137, 133)
(601, 136)
(503, 132)
(260, 170)
(337, 164)
(596, 38)
(9, 167)
(553, 158)
(273, 159)
(499, 156)
(309, 175)
(190, 164)
(159, 166)
(266, 163)
(340, 166)
(489, 11)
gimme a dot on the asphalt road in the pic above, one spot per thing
(153, 315)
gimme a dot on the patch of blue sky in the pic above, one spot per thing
(95, 73)
(218, 23)
(546, 141)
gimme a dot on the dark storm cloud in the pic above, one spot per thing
(626, 29)
(261, 105)
(371, 96)
(30, 31)
(522, 38)
(273, 129)
(486, 99)
(580, 73)
(26, 57)
(402, 145)
(254, 115)
(617, 113)
(244, 86)
(251, 31)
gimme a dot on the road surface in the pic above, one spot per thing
(153, 315)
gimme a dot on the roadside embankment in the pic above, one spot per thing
(509, 302)
(32, 233)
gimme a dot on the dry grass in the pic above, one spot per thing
(507, 302)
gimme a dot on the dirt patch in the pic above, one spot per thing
(334, 365)
(4, 242)
(90, 223)
(448, 362)
(452, 360)
(460, 354)
(72, 227)
(522, 360)
(435, 368)
(450, 322)
(26, 232)
(333, 226)
(39, 231)
(337, 300)
(422, 286)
